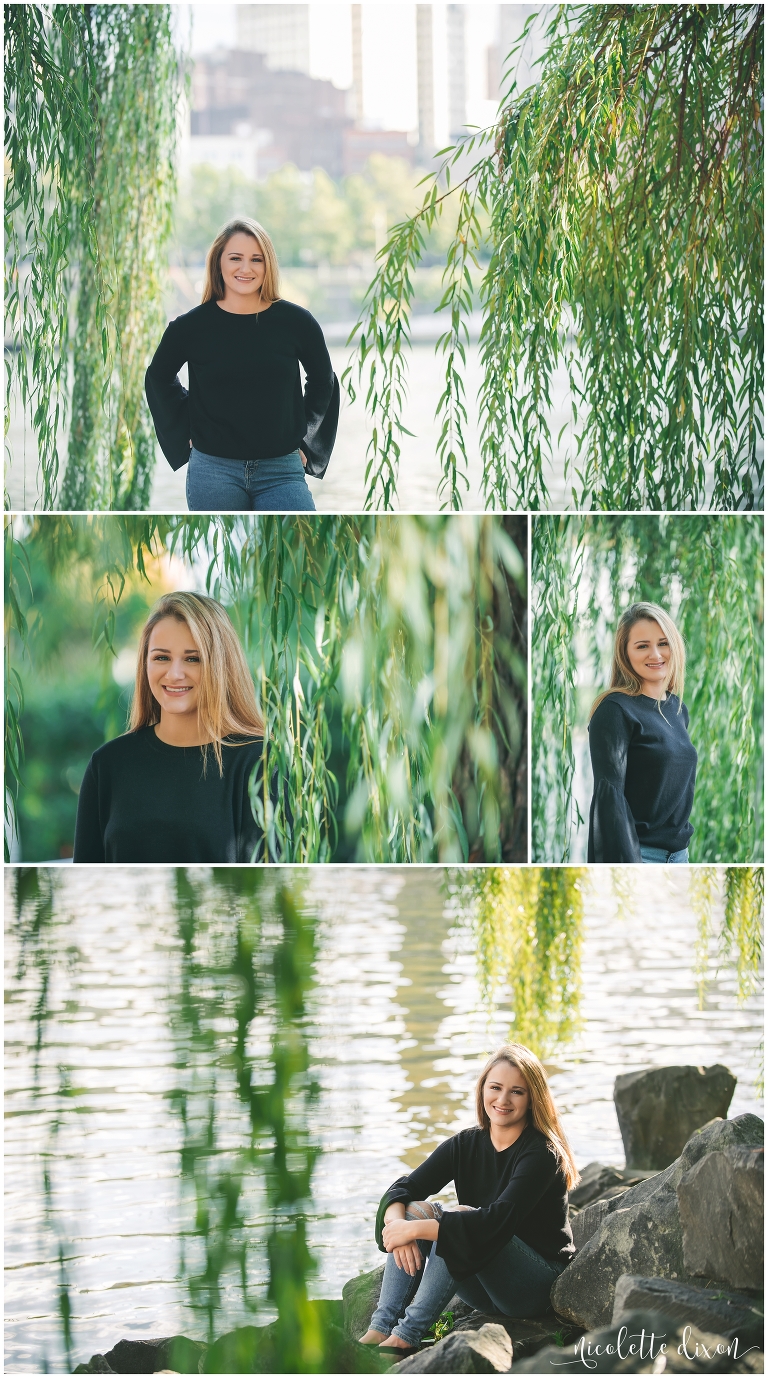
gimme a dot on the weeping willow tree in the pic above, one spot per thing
(410, 629)
(707, 571)
(90, 127)
(528, 925)
(623, 194)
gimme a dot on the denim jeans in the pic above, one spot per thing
(516, 1282)
(663, 857)
(255, 485)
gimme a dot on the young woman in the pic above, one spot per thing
(509, 1239)
(245, 426)
(643, 761)
(174, 788)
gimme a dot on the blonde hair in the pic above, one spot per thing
(213, 286)
(623, 678)
(542, 1112)
(227, 699)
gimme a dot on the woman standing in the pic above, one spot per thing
(509, 1239)
(643, 761)
(175, 787)
(245, 426)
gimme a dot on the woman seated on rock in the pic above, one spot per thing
(509, 1239)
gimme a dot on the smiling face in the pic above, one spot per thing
(243, 267)
(649, 652)
(173, 667)
(506, 1097)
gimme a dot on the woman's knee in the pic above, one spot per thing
(423, 1210)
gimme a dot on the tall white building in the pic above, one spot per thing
(280, 32)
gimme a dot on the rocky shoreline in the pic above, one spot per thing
(667, 1277)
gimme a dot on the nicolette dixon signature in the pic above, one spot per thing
(646, 1345)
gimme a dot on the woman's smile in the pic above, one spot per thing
(173, 670)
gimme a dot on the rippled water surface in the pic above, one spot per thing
(396, 1031)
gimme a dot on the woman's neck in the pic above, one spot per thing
(653, 691)
(180, 729)
(252, 305)
(505, 1138)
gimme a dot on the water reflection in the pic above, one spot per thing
(122, 1030)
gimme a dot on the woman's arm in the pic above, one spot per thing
(470, 1239)
(613, 834)
(321, 399)
(168, 400)
(433, 1174)
(89, 840)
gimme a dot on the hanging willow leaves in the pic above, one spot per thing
(708, 572)
(90, 98)
(729, 904)
(410, 630)
(626, 249)
(528, 926)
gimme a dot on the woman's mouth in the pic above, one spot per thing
(503, 1109)
(179, 689)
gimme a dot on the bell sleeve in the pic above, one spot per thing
(612, 832)
(168, 399)
(321, 400)
(434, 1173)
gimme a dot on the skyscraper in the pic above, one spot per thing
(280, 32)
(457, 70)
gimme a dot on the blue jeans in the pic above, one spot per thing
(254, 485)
(516, 1282)
(663, 857)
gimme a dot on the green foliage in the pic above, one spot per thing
(90, 99)
(708, 572)
(528, 926)
(624, 190)
(410, 628)
(729, 904)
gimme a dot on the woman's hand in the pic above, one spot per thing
(408, 1257)
(303, 458)
(398, 1233)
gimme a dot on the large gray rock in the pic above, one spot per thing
(722, 1213)
(687, 1351)
(527, 1336)
(487, 1350)
(596, 1178)
(641, 1231)
(359, 1298)
(659, 1108)
(588, 1221)
(174, 1353)
(720, 1313)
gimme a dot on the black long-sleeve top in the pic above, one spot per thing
(143, 800)
(245, 399)
(518, 1191)
(644, 768)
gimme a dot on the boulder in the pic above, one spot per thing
(173, 1353)
(688, 1350)
(641, 1232)
(659, 1108)
(359, 1298)
(587, 1221)
(96, 1364)
(487, 1350)
(258, 1349)
(595, 1181)
(721, 1211)
(719, 1313)
(527, 1336)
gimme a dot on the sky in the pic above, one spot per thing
(389, 53)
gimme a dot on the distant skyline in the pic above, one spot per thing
(389, 54)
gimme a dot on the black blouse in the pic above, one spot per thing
(644, 768)
(245, 399)
(143, 800)
(518, 1191)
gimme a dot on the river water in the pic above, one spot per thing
(396, 1029)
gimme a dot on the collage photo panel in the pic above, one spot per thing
(384, 688)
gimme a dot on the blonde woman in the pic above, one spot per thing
(175, 787)
(643, 761)
(246, 426)
(509, 1239)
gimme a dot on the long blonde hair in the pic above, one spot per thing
(623, 677)
(543, 1112)
(227, 699)
(213, 286)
